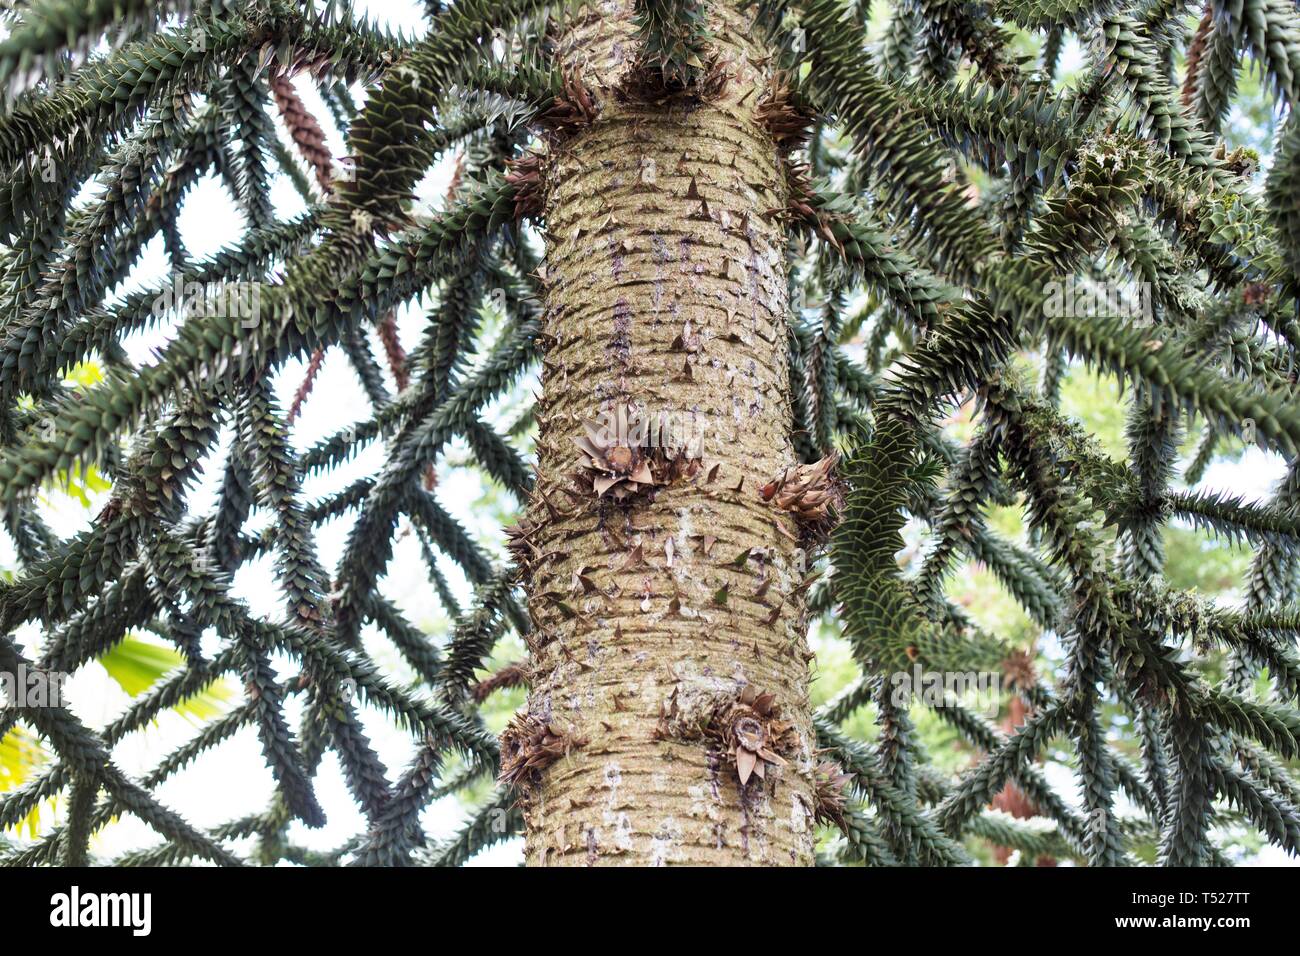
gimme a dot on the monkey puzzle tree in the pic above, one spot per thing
(759, 255)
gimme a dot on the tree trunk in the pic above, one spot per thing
(669, 656)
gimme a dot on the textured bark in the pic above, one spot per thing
(666, 288)
(305, 131)
(1195, 54)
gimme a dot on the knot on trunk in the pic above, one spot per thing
(525, 175)
(786, 119)
(830, 783)
(529, 745)
(811, 493)
(746, 727)
(574, 109)
(628, 453)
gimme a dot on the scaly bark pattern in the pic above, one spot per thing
(667, 290)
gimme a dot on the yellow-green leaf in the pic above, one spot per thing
(137, 665)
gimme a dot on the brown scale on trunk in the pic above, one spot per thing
(666, 290)
(307, 135)
(305, 131)
(1195, 54)
(308, 380)
(393, 350)
(1011, 799)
